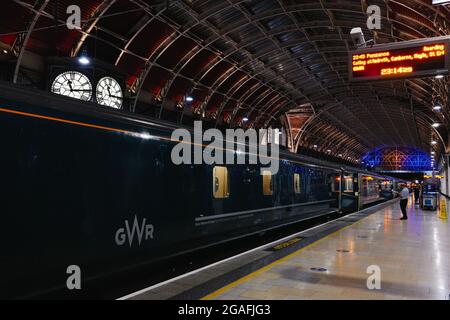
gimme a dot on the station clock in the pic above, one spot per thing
(73, 84)
(98, 82)
(109, 93)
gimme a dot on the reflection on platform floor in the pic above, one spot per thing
(413, 255)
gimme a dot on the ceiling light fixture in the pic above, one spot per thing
(84, 61)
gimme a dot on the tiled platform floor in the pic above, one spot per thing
(413, 255)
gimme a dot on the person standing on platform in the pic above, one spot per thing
(417, 195)
(404, 197)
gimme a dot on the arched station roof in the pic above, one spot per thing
(255, 59)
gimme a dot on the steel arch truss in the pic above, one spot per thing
(256, 59)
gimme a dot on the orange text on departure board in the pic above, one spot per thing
(361, 61)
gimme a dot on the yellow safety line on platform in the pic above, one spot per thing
(277, 262)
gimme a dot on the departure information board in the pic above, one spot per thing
(409, 59)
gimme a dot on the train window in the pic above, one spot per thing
(348, 184)
(221, 183)
(267, 183)
(335, 183)
(297, 184)
(387, 185)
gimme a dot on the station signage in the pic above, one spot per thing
(407, 59)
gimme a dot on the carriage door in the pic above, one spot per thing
(349, 192)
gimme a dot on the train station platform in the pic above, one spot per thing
(332, 263)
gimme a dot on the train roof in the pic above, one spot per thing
(57, 102)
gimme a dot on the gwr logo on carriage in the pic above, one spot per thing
(136, 233)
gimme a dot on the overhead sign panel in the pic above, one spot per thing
(408, 59)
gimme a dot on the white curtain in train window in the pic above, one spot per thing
(348, 184)
(221, 183)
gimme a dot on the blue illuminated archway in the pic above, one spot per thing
(398, 159)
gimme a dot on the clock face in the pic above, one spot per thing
(73, 84)
(109, 93)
